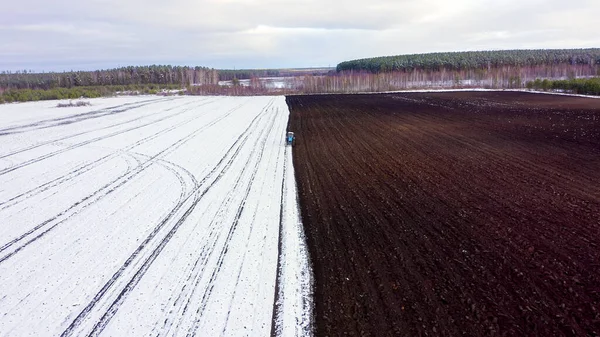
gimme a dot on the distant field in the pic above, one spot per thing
(451, 214)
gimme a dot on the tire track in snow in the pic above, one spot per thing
(225, 205)
(293, 304)
(251, 227)
(70, 330)
(58, 181)
(103, 322)
(178, 171)
(86, 142)
(104, 191)
(134, 296)
(63, 216)
(44, 124)
(193, 278)
(79, 170)
(276, 298)
(87, 167)
(54, 141)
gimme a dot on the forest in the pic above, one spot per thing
(246, 74)
(138, 75)
(473, 60)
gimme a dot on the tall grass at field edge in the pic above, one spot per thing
(581, 86)
(30, 95)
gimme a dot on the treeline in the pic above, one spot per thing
(139, 75)
(236, 90)
(506, 77)
(30, 95)
(582, 86)
(246, 74)
(473, 60)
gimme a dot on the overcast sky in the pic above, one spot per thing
(44, 35)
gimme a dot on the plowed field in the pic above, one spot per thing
(451, 214)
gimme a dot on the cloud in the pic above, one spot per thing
(69, 34)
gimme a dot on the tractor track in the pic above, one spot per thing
(222, 252)
(50, 142)
(86, 142)
(248, 238)
(59, 215)
(276, 298)
(63, 216)
(190, 285)
(102, 192)
(164, 231)
(79, 117)
(73, 174)
(89, 166)
(198, 194)
(193, 198)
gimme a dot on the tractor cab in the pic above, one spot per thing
(290, 139)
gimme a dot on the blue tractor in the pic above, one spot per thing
(290, 139)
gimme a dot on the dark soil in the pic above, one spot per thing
(451, 214)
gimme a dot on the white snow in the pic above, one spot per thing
(294, 302)
(151, 216)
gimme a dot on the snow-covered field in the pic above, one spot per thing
(143, 216)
